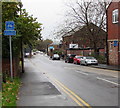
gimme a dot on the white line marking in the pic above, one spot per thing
(68, 68)
(82, 73)
(108, 81)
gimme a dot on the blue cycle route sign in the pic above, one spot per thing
(9, 32)
(9, 26)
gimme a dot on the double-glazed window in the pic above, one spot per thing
(115, 16)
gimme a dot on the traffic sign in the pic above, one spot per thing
(115, 43)
(9, 32)
(9, 25)
(51, 47)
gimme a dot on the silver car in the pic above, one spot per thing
(89, 61)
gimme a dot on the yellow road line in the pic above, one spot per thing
(80, 99)
(69, 94)
(63, 86)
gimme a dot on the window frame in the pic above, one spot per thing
(115, 15)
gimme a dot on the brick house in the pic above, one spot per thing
(113, 18)
(84, 45)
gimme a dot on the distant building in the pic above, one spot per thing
(52, 48)
(113, 18)
(83, 45)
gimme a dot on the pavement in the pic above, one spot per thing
(104, 66)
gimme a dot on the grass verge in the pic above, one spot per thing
(10, 92)
(0, 99)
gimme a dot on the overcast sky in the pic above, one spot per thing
(48, 12)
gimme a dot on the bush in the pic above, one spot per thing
(101, 59)
(10, 92)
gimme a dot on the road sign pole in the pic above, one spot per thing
(9, 31)
(11, 70)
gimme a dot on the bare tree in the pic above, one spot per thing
(84, 14)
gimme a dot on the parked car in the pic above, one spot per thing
(55, 57)
(77, 59)
(34, 53)
(37, 52)
(26, 54)
(89, 61)
(69, 58)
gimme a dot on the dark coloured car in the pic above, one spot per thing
(70, 58)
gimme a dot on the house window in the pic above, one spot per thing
(115, 16)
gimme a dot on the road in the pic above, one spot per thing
(85, 86)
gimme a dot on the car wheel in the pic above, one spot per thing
(78, 63)
(86, 64)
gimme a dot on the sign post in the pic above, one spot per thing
(11, 70)
(9, 25)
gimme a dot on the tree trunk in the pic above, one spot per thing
(22, 58)
(95, 50)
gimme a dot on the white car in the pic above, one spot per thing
(89, 61)
(37, 51)
(55, 57)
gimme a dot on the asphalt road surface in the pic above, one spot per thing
(83, 85)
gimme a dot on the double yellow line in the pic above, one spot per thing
(70, 93)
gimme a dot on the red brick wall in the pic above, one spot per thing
(113, 34)
(113, 55)
(113, 29)
(6, 66)
(119, 23)
(80, 52)
(119, 54)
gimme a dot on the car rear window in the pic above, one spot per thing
(72, 55)
(56, 55)
(90, 58)
(79, 57)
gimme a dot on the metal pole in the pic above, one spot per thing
(11, 70)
